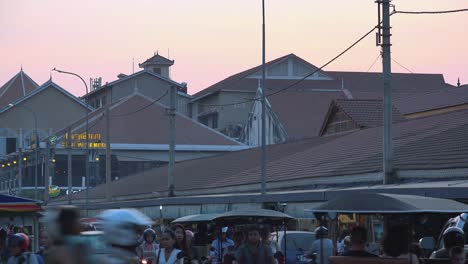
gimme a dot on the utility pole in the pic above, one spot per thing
(108, 156)
(263, 104)
(69, 166)
(387, 77)
(172, 128)
(20, 163)
(47, 172)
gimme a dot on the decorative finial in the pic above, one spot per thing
(157, 52)
(458, 83)
(21, 67)
(50, 79)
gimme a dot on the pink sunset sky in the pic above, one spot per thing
(213, 39)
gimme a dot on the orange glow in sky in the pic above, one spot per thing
(212, 39)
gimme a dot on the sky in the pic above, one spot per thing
(212, 39)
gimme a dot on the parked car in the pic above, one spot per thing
(297, 243)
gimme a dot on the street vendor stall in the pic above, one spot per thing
(23, 212)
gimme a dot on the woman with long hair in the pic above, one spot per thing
(183, 244)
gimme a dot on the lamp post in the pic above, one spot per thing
(36, 151)
(87, 135)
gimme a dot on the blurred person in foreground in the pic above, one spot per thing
(322, 247)
(66, 246)
(122, 230)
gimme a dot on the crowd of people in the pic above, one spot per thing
(397, 243)
(130, 238)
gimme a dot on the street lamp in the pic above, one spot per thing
(37, 146)
(87, 135)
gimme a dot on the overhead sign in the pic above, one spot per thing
(79, 141)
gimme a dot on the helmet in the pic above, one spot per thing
(121, 226)
(321, 232)
(149, 231)
(188, 235)
(19, 240)
(453, 236)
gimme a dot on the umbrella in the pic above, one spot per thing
(253, 216)
(195, 219)
(384, 203)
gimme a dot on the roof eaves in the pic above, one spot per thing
(141, 72)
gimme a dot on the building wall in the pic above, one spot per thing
(230, 117)
(152, 87)
(53, 109)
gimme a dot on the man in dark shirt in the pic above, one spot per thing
(254, 251)
(358, 244)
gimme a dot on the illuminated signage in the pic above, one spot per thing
(79, 141)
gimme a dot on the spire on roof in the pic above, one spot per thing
(21, 67)
(458, 83)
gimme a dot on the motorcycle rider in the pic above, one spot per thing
(453, 237)
(122, 229)
(18, 245)
(149, 248)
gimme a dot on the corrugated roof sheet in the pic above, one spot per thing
(431, 143)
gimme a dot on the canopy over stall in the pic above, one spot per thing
(384, 203)
(196, 219)
(18, 210)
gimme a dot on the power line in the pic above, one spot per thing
(373, 63)
(430, 12)
(326, 64)
(143, 108)
(303, 78)
(401, 65)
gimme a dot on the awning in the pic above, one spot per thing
(384, 203)
(196, 219)
(18, 204)
(253, 216)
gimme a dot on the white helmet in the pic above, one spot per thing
(121, 226)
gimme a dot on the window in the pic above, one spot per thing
(157, 70)
(10, 145)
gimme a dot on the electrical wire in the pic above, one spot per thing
(373, 63)
(143, 108)
(401, 65)
(303, 78)
(430, 12)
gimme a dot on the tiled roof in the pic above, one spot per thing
(431, 143)
(136, 119)
(366, 113)
(18, 86)
(157, 59)
(434, 100)
(302, 113)
(369, 85)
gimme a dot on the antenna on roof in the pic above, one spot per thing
(458, 83)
